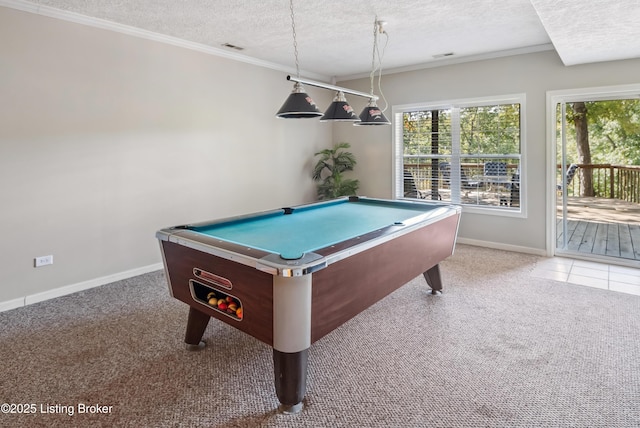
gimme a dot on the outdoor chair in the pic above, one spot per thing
(465, 182)
(514, 189)
(410, 188)
(495, 173)
(495, 179)
(571, 172)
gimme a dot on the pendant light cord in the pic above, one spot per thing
(295, 43)
(384, 48)
(373, 57)
(378, 29)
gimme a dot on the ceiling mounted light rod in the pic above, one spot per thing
(331, 87)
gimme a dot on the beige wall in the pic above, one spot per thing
(532, 74)
(105, 138)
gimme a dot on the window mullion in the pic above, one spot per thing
(455, 155)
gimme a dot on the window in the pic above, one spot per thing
(466, 152)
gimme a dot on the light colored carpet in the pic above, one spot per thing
(499, 348)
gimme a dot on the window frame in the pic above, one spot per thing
(398, 147)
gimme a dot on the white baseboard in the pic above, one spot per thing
(7, 305)
(85, 285)
(500, 246)
(74, 288)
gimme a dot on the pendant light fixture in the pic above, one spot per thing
(371, 114)
(299, 104)
(340, 110)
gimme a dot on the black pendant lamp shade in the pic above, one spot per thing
(372, 115)
(339, 110)
(298, 105)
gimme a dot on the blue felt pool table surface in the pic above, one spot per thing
(310, 228)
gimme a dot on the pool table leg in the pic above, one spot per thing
(196, 325)
(291, 339)
(433, 279)
(290, 369)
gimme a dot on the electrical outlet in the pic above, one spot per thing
(43, 261)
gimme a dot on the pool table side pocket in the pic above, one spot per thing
(251, 287)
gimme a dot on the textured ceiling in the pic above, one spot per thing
(586, 31)
(335, 37)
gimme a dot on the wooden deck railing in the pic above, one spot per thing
(609, 181)
(424, 177)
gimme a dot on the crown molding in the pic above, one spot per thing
(77, 18)
(455, 60)
(51, 12)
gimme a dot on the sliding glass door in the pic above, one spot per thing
(596, 175)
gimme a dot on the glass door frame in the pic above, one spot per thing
(562, 97)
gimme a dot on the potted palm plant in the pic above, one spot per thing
(329, 170)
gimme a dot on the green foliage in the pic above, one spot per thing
(329, 170)
(419, 134)
(483, 130)
(490, 129)
(614, 132)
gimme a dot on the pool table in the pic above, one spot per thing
(290, 276)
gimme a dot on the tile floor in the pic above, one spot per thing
(590, 274)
